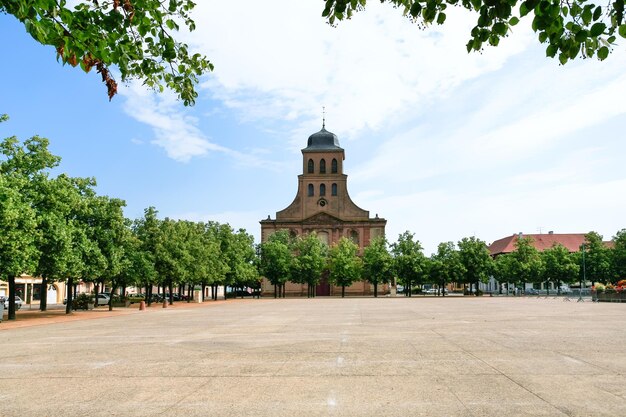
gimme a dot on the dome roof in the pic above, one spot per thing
(322, 140)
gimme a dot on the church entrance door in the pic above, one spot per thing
(323, 288)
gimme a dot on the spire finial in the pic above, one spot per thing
(323, 117)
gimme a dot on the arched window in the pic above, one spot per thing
(323, 166)
(322, 188)
(354, 236)
(311, 169)
(311, 190)
(334, 189)
(333, 167)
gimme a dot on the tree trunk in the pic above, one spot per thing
(343, 291)
(376, 290)
(188, 293)
(558, 287)
(43, 297)
(96, 289)
(148, 294)
(548, 288)
(113, 288)
(170, 287)
(70, 286)
(11, 298)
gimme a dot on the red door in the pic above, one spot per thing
(323, 288)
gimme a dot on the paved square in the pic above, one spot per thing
(325, 357)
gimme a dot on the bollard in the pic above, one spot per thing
(164, 303)
(142, 305)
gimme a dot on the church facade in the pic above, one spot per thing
(323, 205)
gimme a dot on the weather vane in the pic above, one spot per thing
(323, 117)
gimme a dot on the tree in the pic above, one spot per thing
(377, 263)
(309, 261)
(17, 242)
(446, 266)
(239, 253)
(21, 166)
(55, 209)
(618, 253)
(135, 36)
(559, 266)
(570, 29)
(526, 263)
(502, 270)
(409, 262)
(275, 259)
(147, 231)
(597, 267)
(476, 261)
(344, 264)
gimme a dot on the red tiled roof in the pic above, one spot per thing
(572, 241)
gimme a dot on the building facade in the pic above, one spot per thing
(323, 205)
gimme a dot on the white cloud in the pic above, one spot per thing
(279, 60)
(174, 131)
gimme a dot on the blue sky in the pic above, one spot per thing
(439, 142)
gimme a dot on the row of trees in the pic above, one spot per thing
(595, 262)
(304, 259)
(58, 228)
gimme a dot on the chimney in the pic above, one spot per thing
(551, 232)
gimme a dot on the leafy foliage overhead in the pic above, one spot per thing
(133, 35)
(570, 28)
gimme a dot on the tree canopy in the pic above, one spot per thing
(134, 36)
(571, 29)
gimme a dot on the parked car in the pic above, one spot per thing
(431, 291)
(18, 303)
(135, 298)
(531, 291)
(103, 299)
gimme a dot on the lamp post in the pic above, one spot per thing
(584, 279)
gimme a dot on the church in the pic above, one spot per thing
(323, 205)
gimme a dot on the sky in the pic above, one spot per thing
(439, 142)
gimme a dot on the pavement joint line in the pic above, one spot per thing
(589, 363)
(507, 377)
(459, 400)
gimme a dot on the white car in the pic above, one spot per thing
(18, 303)
(103, 299)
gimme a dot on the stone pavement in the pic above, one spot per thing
(324, 357)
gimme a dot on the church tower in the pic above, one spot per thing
(323, 205)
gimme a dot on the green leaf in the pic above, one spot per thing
(603, 53)
(551, 51)
(500, 29)
(597, 29)
(581, 36)
(586, 16)
(416, 9)
(597, 13)
(513, 21)
(441, 18)
(622, 31)
(563, 57)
